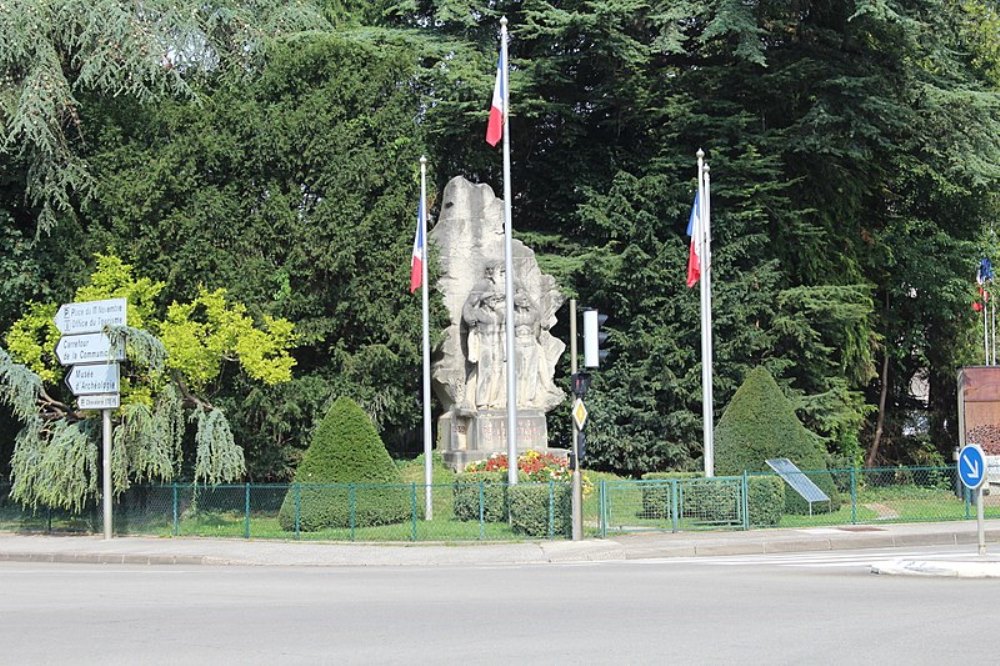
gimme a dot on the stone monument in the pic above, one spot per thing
(470, 365)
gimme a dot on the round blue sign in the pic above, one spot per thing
(972, 466)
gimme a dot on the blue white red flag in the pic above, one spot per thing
(494, 129)
(417, 263)
(695, 232)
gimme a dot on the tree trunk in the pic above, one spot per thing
(880, 422)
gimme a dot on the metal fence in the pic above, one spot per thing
(857, 497)
(492, 512)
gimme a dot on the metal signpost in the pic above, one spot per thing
(972, 472)
(94, 374)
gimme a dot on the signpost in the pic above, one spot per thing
(94, 375)
(93, 379)
(972, 472)
(87, 348)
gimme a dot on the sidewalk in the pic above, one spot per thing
(178, 550)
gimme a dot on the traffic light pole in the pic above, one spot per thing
(577, 488)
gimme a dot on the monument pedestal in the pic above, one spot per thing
(467, 437)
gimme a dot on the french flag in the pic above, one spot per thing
(417, 263)
(494, 129)
(695, 232)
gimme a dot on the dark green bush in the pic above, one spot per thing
(530, 513)
(656, 496)
(466, 496)
(345, 453)
(760, 423)
(711, 501)
(765, 500)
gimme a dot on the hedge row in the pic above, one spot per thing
(534, 509)
(710, 501)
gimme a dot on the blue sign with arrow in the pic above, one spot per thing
(972, 466)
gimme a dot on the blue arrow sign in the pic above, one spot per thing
(972, 466)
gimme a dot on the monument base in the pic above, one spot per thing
(467, 437)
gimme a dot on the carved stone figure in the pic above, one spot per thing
(471, 364)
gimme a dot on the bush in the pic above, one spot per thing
(346, 477)
(530, 505)
(656, 496)
(466, 496)
(711, 501)
(765, 500)
(759, 424)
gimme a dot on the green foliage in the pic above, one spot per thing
(481, 491)
(57, 50)
(345, 451)
(147, 442)
(765, 500)
(759, 423)
(656, 496)
(541, 510)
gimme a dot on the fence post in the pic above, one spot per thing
(298, 508)
(675, 505)
(413, 512)
(482, 525)
(854, 496)
(246, 514)
(967, 494)
(352, 502)
(745, 500)
(552, 508)
(176, 526)
(603, 504)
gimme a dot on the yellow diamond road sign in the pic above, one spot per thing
(579, 414)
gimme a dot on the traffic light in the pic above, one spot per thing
(593, 338)
(580, 382)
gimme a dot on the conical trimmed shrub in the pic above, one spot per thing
(760, 423)
(346, 477)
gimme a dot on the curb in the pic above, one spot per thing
(938, 568)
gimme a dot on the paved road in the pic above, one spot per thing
(622, 612)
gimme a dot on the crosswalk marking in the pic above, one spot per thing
(801, 560)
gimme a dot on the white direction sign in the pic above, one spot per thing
(86, 348)
(99, 401)
(90, 316)
(93, 379)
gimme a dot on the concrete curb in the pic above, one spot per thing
(941, 568)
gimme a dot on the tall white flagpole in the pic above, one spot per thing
(705, 256)
(425, 303)
(510, 363)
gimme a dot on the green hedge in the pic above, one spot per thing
(656, 496)
(346, 452)
(541, 510)
(713, 501)
(465, 492)
(345, 505)
(765, 500)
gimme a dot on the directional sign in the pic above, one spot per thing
(93, 379)
(90, 316)
(972, 466)
(99, 401)
(579, 414)
(86, 348)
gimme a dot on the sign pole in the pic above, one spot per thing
(577, 486)
(106, 471)
(980, 529)
(972, 471)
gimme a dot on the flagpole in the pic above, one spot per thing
(708, 420)
(509, 266)
(425, 310)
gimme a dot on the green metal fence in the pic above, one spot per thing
(857, 497)
(492, 512)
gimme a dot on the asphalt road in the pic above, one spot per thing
(782, 609)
